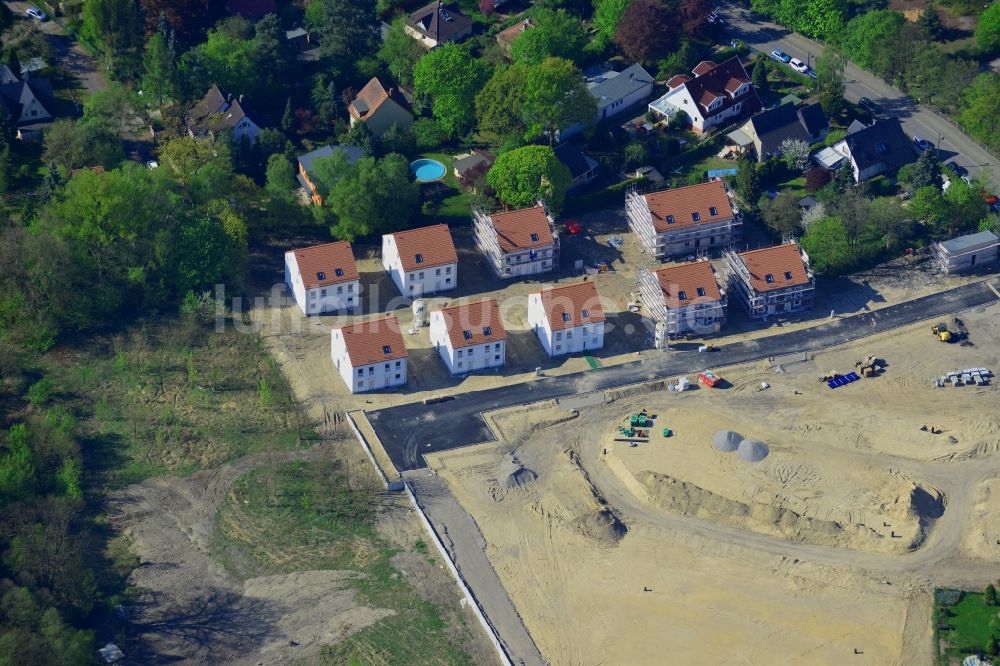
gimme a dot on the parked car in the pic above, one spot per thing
(780, 56)
(811, 73)
(957, 169)
(798, 65)
(870, 106)
(36, 13)
(921, 143)
(991, 199)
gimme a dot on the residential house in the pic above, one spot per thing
(615, 92)
(438, 23)
(567, 319)
(421, 261)
(582, 167)
(380, 108)
(764, 132)
(469, 336)
(871, 150)
(772, 280)
(685, 297)
(684, 221)
(715, 96)
(967, 252)
(469, 166)
(28, 102)
(506, 37)
(323, 278)
(369, 355)
(7, 75)
(517, 242)
(218, 112)
(304, 43)
(308, 161)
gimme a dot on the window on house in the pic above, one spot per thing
(411, 277)
(769, 278)
(386, 349)
(398, 376)
(788, 275)
(437, 271)
(472, 351)
(386, 367)
(460, 353)
(447, 270)
(420, 258)
(497, 346)
(421, 275)
(487, 330)
(322, 293)
(713, 210)
(565, 316)
(340, 290)
(350, 289)
(371, 369)
(558, 335)
(350, 299)
(586, 314)
(558, 347)
(881, 148)
(569, 335)
(534, 237)
(339, 272)
(321, 275)
(682, 295)
(312, 294)
(670, 219)
(460, 364)
(701, 291)
(695, 216)
(497, 357)
(447, 280)
(398, 363)
(467, 335)
(361, 372)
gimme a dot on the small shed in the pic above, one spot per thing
(967, 252)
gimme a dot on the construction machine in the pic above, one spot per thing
(942, 332)
(959, 331)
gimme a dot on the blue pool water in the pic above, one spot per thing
(427, 170)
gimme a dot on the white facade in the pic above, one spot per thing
(369, 377)
(418, 282)
(320, 300)
(679, 99)
(468, 358)
(570, 340)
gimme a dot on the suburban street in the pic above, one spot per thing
(916, 119)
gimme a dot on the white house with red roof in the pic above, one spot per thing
(517, 242)
(772, 280)
(567, 319)
(323, 278)
(686, 298)
(369, 355)
(684, 221)
(469, 336)
(421, 261)
(715, 95)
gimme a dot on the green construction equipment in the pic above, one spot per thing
(667, 432)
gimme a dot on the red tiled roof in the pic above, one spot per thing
(681, 203)
(703, 66)
(687, 279)
(374, 95)
(473, 323)
(432, 244)
(367, 341)
(522, 229)
(508, 35)
(782, 262)
(717, 81)
(319, 265)
(733, 84)
(565, 306)
(677, 80)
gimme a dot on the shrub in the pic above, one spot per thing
(40, 392)
(428, 134)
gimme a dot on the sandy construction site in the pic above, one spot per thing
(821, 552)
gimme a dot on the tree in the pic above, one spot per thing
(400, 52)
(360, 135)
(817, 179)
(6, 168)
(556, 98)
(980, 109)
(781, 214)
(928, 205)
(694, 15)
(761, 67)
(17, 467)
(498, 106)
(829, 81)
(324, 99)
(606, 17)
(487, 7)
(938, 79)
(287, 117)
(990, 595)
(115, 25)
(646, 31)
(795, 154)
(636, 155)
(680, 61)
(188, 18)
(159, 78)
(826, 243)
(556, 34)
(992, 647)
(280, 177)
(525, 175)
(925, 171)
(988, 32)
(451, 76)
(866, 31)
(346, 28)
(930, 22)
(747, 181)
(823, 18)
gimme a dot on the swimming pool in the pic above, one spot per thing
(427, 170)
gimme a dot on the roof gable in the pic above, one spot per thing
(711, 83)
(522, 229)
(688, 284)
(471, 324)
(689, 206)
(609, 89)
(373, 341)
(374, 94)
(425, 247)
(440, 22)
(326, 264)
(775, 267)
(571, 305)
(883, 142)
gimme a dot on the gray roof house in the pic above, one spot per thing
(875, 149)
(29, 103)
(582, 168)
(218, 112)
(967, 252)
(615, 92)
(438, 23)
(765, 131)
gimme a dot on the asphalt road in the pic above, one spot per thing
(407, 432)
(916, 119)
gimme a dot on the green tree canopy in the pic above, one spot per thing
(525, 175)
(980, 109)
(829, 81)
(450, 76)
(556, 34)
(826, 243)
(606, 17)
(988, 32)
(867, 31)
(347, 29)
(555, 97)
(400, 52)
(498, 106)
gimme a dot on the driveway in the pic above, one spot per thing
(916, 119)
(70, 57)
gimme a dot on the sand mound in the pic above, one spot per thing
(520, 478)
(752, 450)
(727, 441)
(691, 500)
(603, 526)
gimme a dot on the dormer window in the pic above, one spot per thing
(565, 316)
(713, 211)
(467, 335)
(695, 216)
(670, 219)
(586, 314)
(420, 258)
(682, 295)
(788, 275)
(769, 278)
(321, 276)
(339, 272)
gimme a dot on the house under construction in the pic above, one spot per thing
(516, 243)
(771, 281)
(684, 221)
(685, 298)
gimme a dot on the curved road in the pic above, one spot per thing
(916, 119)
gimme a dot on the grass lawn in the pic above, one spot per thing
(972, 624)
(453, 205)
(309, 515)
(175, 397)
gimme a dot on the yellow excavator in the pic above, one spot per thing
(942, 332)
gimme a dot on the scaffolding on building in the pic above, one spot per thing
(757, 304)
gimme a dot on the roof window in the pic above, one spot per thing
(534, 237)
(487, 330)
(682, 295)
(320, 275)
(788, 275)
(701, 291)
(339, 272)
(565, 316)
(670, 219)
(586, 314)
(769, 278)
(695, 216)
(713, 211)
(386, 349)
(881, 148)
(420, 258)
(467, 335)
